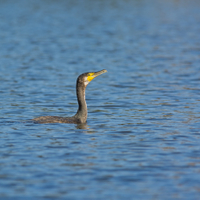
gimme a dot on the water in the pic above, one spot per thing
(142, 137)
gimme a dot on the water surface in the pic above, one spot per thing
(141, 140)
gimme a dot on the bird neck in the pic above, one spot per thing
(82, 106)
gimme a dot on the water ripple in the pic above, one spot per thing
(142, 137)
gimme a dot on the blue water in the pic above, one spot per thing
(142, 138)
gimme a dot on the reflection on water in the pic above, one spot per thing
(142, 136)
(82, 126)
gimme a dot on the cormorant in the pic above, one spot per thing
(81, 115)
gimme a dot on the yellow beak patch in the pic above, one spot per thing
(90, 76)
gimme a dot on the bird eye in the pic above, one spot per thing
(90, 74)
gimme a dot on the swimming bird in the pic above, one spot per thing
(81, 116)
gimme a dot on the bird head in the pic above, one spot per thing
(89, 76)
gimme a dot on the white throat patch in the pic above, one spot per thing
(86, 81)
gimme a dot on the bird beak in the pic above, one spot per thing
(93, 75)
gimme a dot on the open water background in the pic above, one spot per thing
(142, 138)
